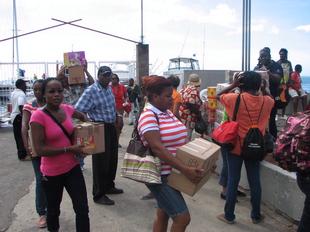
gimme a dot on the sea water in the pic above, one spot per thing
(306, 83)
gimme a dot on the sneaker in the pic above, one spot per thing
(222, 218)
(258, 220)
(42, 222)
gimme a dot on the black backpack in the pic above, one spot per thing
(253, 147)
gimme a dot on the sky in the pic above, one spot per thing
(208, 30)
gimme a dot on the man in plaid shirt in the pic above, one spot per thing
(99, 104)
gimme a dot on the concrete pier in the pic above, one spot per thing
(129, 214)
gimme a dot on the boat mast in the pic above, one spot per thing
(15, 39)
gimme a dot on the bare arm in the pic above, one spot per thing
(25, 128)
(79, 115)
(89, 77)
(154, 141)
(42, 149)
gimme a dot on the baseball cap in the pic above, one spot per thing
(104, 71)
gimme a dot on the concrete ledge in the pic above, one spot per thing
(280, 190)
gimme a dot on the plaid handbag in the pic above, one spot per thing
(139, 163)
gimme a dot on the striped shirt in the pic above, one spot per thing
(98, 103)
(172, 132)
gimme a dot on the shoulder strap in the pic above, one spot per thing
(260, 112)
(135, 133)
(236, 108)
(58, 123)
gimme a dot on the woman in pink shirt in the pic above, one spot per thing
(59, 167)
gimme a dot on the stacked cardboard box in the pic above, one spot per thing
(74, 62)
(198, 153)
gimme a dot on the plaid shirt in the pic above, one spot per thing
(98, 103)
(72, 95)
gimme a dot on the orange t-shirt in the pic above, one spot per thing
(254, 105)
(176, 96)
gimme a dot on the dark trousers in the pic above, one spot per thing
(17, 130)
(303, 182)
(40, 194)
(272, 122)
(234, 169)
(74, 183)
(105, 164)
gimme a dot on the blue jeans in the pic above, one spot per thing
(168, 199)
(234, 170)
(303, 182)
(40, 200)
(224, 172)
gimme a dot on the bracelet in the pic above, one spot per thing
(65, 150)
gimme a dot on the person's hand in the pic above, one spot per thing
(29, 151)
(194, 174)
(76, 149)
(236, 79)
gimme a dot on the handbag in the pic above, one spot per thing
(139, 163)
(200, 126)
(226, 134)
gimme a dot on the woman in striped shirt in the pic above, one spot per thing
(164, 133)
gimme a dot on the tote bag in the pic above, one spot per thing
(139, 163)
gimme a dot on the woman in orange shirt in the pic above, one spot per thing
(258, 107)
(176, 96)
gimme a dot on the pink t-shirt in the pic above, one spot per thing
(55, 137)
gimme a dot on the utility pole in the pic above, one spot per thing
(15, 34)
(246, 35)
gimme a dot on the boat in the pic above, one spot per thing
(179, 64)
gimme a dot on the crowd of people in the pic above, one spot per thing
(165, 118)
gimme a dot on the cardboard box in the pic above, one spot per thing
(91, 135)
(197, 153)
(74, 58)
(211, 92)
(76, 75)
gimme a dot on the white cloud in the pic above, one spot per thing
(275, 30)
(305, 28)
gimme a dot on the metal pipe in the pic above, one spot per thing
(142, 21)
(101, 32)
(243, 18)
(43, 29)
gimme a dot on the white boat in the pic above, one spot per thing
(179, 64)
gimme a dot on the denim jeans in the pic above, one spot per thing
(224, 172)
(234, 170)
(74, 183)
(41, 203)
(168, 199)
(303, 182)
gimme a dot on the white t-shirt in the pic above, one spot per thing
(18, 98)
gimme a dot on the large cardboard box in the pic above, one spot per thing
(197, 153)
(91, 135)
(74, 58)
(76, 75)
